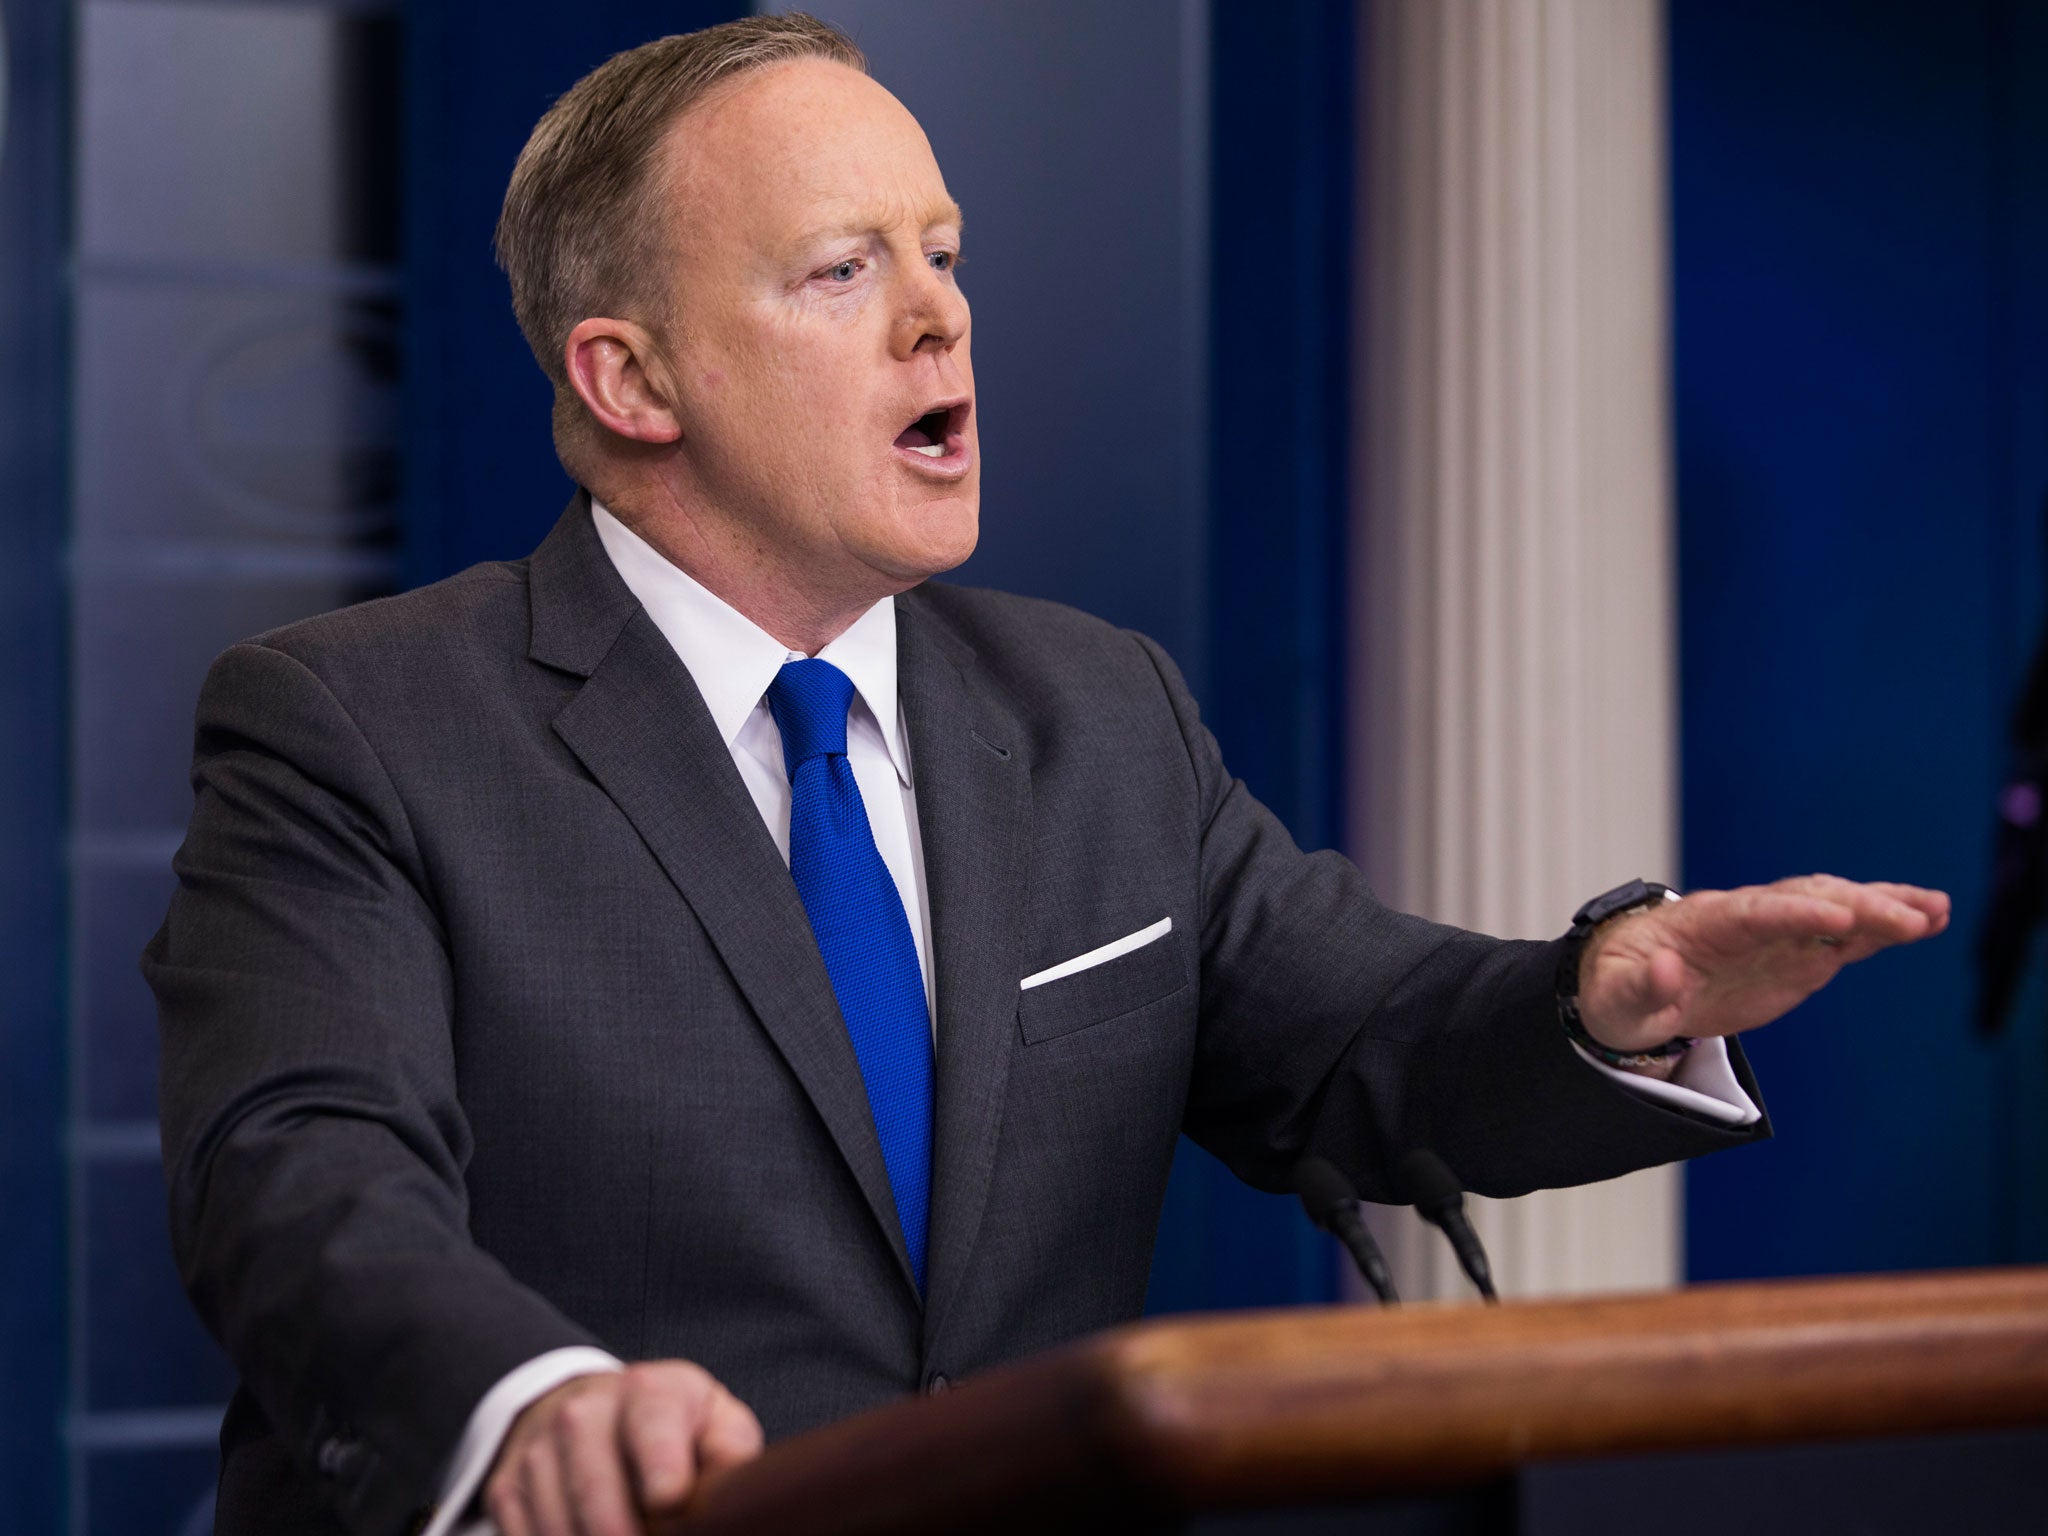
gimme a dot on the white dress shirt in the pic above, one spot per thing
(732, 660)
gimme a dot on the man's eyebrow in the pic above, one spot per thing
(948, 212)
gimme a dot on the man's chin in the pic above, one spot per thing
(936, 536)
(954, 556)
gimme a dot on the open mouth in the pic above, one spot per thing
(936, 435)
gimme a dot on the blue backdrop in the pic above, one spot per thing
(32, 384)
(1859, 190)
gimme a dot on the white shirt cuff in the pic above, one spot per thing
(1703, 1084)
(515, 1392)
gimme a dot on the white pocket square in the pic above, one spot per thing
(1114, 949)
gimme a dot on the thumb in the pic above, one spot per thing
(730, 1432)
(1664, 980)
(1651, 1001)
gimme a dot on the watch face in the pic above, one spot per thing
(1637, 893)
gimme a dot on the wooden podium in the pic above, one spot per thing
(1318, 1417)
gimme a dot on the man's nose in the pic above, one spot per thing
(934, 315)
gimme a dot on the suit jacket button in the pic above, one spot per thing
(935, 1384)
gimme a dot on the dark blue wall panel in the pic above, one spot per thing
(481, 477)
(32, 392)
(1859, 363)
(1280, 141)
(232, 465)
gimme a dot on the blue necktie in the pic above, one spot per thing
(862, 932)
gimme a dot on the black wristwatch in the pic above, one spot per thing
(1623, 898)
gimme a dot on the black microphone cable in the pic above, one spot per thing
(1332, 1204)
(1434, 1191)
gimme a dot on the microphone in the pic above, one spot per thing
(1332, 1204)
(1434, 1191)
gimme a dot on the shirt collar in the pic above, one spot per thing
(731, 658)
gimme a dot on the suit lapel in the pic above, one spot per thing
(973, 787)
(639, 725)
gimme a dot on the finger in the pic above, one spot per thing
(731, 1434)
(1656, 997)
(585, 1436)
(1886, 919)
(1882, 909)
(1934, 904)
(1834, 912)
(1651, 983)
(505, 1506)
(657, 1426)
(1666, 977)
(1665, 1024)
(540, 1489)
(1827, 887)
(1772, 914)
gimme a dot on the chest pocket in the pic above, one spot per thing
(1104, 992)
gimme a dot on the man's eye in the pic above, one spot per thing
(944, 261)
(844, 272)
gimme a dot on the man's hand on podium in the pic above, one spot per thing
(1721, 962)
(594, 1454)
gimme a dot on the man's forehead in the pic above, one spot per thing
(833, 137)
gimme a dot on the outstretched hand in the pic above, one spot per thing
(1720, 962)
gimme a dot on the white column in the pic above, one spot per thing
(1512, 634)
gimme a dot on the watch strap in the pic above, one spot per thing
(1630, 897)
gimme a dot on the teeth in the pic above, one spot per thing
(931, 450)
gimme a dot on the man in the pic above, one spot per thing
(704, 944)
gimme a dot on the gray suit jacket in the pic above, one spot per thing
(492, 1023)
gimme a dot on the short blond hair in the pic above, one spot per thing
(576, 237)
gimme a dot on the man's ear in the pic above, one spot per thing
(613, 369)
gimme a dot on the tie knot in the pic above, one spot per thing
(809, 700)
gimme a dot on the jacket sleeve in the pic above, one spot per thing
(1332, 1024)
(313, 1141)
